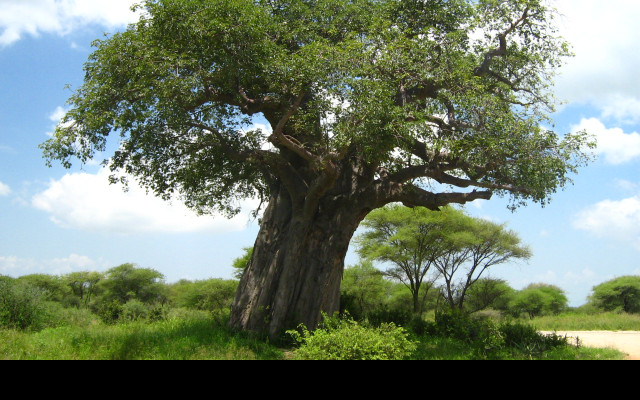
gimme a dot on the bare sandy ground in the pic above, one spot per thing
(626, 341)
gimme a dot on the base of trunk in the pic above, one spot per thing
(295, 271)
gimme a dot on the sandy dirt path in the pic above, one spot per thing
(626, 341)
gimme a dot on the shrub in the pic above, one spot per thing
(345, 339)
(21, 305)
(491, 340)
(208, 295)
(386, 315)
(134, 310)
(108, 311)
(525, 339)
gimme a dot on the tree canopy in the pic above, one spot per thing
(455, 92)
(424, 246)
(618, 294)
(538, 299)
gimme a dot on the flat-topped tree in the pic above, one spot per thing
(370, 102)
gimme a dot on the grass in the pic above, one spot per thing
(450, 349)
(576, 321)
(199, 336)
(174, 339)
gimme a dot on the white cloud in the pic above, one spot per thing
(605, 37)
(619, 220)
(614, 144)
(16, 266)
(55, 117)
(4, 189)
(88, 202)
(33, 17)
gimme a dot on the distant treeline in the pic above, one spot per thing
(129, 292)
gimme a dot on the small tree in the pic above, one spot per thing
(539, 299)
(53, 287)
(423, 246)
(84, 284)
(619, 294)
(489, 293)
(470, 249)
(364, 289)
(127, 282)
(409, 239)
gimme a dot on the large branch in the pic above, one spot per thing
(424, 171)
(413, 196)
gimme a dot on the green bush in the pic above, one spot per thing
(208, 295)
(108, 311)
(538, 299)
(345, 339)
(619, 294)
(525, 339)
(492, 340)
(21, 305)
(134, 310)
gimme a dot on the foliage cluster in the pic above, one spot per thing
(422, 247)
(190, 325)
(494, 340)
(342, 338)
(124, 293)
(21, 306)
(367, 295)
(538, 299)
(618, 294)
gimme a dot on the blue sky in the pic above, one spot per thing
(56, 221)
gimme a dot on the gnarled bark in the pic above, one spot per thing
(296, 268)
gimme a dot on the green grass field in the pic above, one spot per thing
(575, 321)
(174, 339)
(198, 336)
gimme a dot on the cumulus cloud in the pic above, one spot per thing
(616, 219)
(605, 37)
(16, 266)
(55, 117)
(4, 189)
(33, 17)
(616, 146)
(88, 202)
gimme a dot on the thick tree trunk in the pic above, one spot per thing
(296, 268)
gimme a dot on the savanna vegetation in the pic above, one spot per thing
(132, 313)
(369, 103)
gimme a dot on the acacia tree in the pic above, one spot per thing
(368, 102)
(622, 293)
(424, 246)
(469, 250)
(410, 239)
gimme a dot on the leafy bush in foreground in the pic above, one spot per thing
(494, 340)
(21, 305)
(345, 339)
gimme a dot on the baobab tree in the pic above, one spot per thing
(368, 102)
